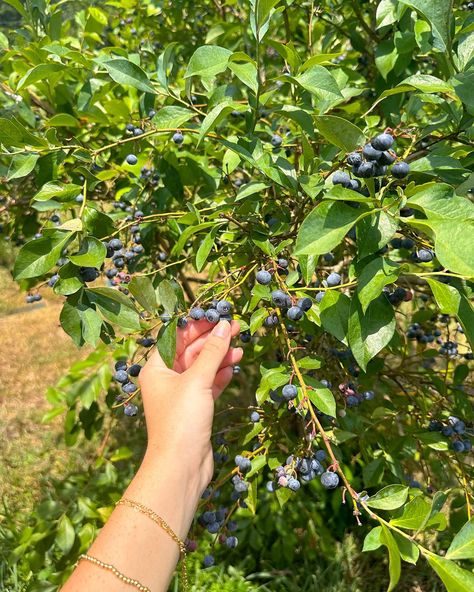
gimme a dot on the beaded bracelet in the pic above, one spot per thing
(165, 526)
(115, 571)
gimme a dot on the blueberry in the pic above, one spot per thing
(294, 313)
(387, 158)
(130, 410)
(289, 392)
(89, 274)
(134, 370)
(425, 255)
(276, 141)
(121, 365)
(457, 446)
(53, 280)
(407, 243)
(368, 395)
(138, 214)
(147, 341)
(165, 317)
(245, 337)
(352, 401)
(271, 487)
(447, 431)
(129, 388)
(400, 170)
(79, 198)
(130, 127)
(178, 138)
(29, 298)
(329, 480)
(55, 218)
(232, 542)
(341, 178)
(333, 279)
(320, 455)
(305, 304)
(263, 277)
(243, 463)
(224, 307)
(137, 131)
(255, 417)
(354, 159)
(213, 528)
(116, 244)
(162, 256)
(151, 113)
(121, 376)
(283, 263)
(212, 316)
(382, 142)
(467, 445)
(196, 313)
(371, 153)
(365, 170)
(354, 185)
(131, 159)
(270, 321)
(208, 561)
(278, 298)
(379, 171)
(293, 484)
(319, 296)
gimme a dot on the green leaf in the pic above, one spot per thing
(215, 116)
(257, 318)
(272, 378)
(320, 82)
(325, 227)
(438, 13)
(386, 56)
(91, 253)
(40, 73)
(167, 296)
(166, 342)
(454, 577)
(374, 276)
(370, 331)
(171, 117)
(97, 223)
(389, 498)
(394, 566)
(374, 232)
(372, 472)
(69, 282)
(38, 256)
(57, 190)
(373, 540)
(80, 321)
(17, 5)
(143, 291)
(13, 133)
(21, 166)
(127, 73)
(340, 132)
(65, 534)
(208, 61)
(63, 120)
(334, 314)
(205, 248)
(409, 552)
(245, 69)
(115, 307)
(415, 514)
(462, 546)
(321, 396)
(386, 13)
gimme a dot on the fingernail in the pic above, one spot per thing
(221, 329)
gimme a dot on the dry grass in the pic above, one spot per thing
(34, 351)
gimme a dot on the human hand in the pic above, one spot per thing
(179, 402)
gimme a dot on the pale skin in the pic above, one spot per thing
(177, 466)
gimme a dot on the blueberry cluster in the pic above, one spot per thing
(397, 296)
(354, 398)
(415, 331)
(218, 310)
(30, 298)
(133, 130)
(123, 374)
(305, 469)
(454, 428)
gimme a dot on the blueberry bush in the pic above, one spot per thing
(305, 168)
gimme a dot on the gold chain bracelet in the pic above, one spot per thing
(115, 571)
(165, 526)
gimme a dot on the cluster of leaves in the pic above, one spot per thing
(237, 116)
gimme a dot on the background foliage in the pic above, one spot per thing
(78, 80)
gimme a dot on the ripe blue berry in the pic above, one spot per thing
(212, 316)
(121, 376)
(129, 388)
(293, 484)
(271, 487)
(53, 280)
(278, 298)
(224, 307)
(263, 277)
(131, 159)
(382, 142)
(89, 274)
(365, 170)
(400, 170)
(232, 542)
(341, 178)
(333, 279)
(121, 365)
(289, 392)
(255, 416)
(134, 370)
(130, 410)
(368, 395)
(294, 313)
(165, 317)
(387, 158)
(425, 255)
(276, 141)
(116, 244)
(208, 561)
(371, 153)
(320, 455)
(329, 480)
(354, 159)
(271, 321)
(147, 342)
(457, 446)
(305, 304)
(197, 313)
(319, 296)
(178, 138)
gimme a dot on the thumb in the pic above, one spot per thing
(213, 352)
